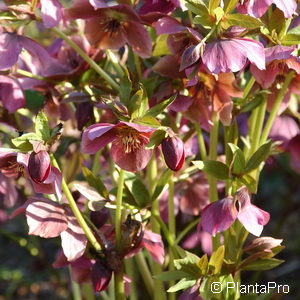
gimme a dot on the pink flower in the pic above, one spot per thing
(219, 216)
(128, 143)
(49, 219)
(279, 60)
(112, 27)
(257, 8)
(11, 93)
(8, 190)
(51, 12)
(218, 55)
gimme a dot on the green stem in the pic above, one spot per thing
(213, 144)
(91, 62)
(276, 107)
(131, 271)
(145, 273)
(77, 213)
(248, 87)
(96, 163)
(201, 142)
(88, 291)
(119, 283)
(75, 287)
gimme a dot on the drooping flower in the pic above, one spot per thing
(112, 27)
(128, 143)
(11, 93)
(279, 60)
(257, 8)
(220, 215)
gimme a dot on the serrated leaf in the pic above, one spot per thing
(171, 275)
(216, 260)
(160, 107)
(263, 264)
(258, 157)
(161, 47)
(42, 127)
(23, 142)
(183, 284)
(214, 168)
(137, 189)
(95, 182)
(243, 21)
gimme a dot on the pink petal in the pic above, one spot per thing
(11, 93)
(73, 244)
(8, 190)
(254, 8)
(138, 38)
(96, 137)
(133, 161)
(168, 25)
(168, 66)
(218, 216)
(288, 7)
(98, 3)
(265, 77)
(278, 52)
(51, 12)
(10, 49)
(81, 269)
(153, 243)
(46, 218)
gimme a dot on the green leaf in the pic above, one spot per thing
(213, 4)
(161, 47)
(204, 20)
(263, 264)
(125, 87)
(276, 21)
(23, 142)
(249, 182)
(34, 100)
(203, 264)
(214, 168)
(171, 275)
(189, 264)
(160, 107)
(243, 21)
(138, 104)
(258, 157)
(197, 7)
(295, 30)
(137, 189)
(291, 39)
(147, 121)
(216, 260)
(238, 164)
(156, 138)
(183, 284)
(230, 5)
(42, 126)
(95, 182)
(219, 13)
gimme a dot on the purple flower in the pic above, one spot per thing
(161, 6)
(279, 60)
(128, 143)
(8, 190)
(51, 12)
(257, 8)
(218, 55)
(112, 27)
(219, 216)
(11, 94)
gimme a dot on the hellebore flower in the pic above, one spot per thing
(51, 11)
(257, 8)
(128, 143)
(162, 6)
(49, 219)
(12, 44)
(39, 166)
(219, 216)
(112, 27)
(218, 55)
(173, 151)
(265, 243)
(279, 60)
(11, 94)
(8, 190)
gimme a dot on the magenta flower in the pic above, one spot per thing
(128, 143)
(112, 27)
(161, 6)
(51, 12)
(218, 55)
(49, 219)
(173, 151)
(257, 8)
(279, 60)
(219, 216)
(11, 94)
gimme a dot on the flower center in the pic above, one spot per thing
(12, 169)
(131, 139)
(112, 26)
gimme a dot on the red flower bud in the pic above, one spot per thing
(173, 151)
(39, 166)
(101, 276)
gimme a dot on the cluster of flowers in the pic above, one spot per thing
(137, 79)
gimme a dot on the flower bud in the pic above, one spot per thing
(39, 166)
(101, 276)
(173, 151)
(265, 243)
